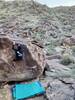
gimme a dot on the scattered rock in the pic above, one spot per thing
(58, 90)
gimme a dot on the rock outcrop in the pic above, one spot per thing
(30, 67)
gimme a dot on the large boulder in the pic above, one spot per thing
(30, 67)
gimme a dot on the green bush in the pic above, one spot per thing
(50, 49)
(66, 60)
(73, 50)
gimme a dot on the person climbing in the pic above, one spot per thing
(18, 51)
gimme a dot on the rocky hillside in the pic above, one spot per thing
(47, 24)
(54, 28)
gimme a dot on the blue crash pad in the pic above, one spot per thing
(24, 91)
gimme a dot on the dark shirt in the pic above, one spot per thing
(18, 52)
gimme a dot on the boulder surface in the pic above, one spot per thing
(30, 67)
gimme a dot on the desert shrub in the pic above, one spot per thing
(73, 50)
(50, 49)
(66, 60)
(39, 35)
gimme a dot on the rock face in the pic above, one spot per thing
(59, 89)
(59, 81)
(28, 68)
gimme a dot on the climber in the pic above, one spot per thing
(18, 51)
